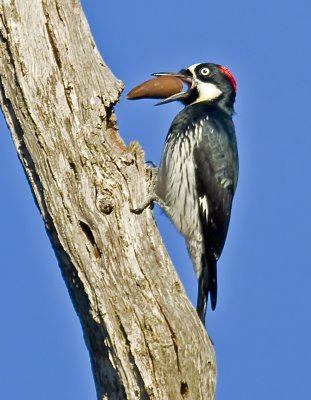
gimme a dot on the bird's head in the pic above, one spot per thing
(205, 82)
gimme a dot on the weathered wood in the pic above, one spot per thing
(144, 337)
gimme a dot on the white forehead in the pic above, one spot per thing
(193, 67)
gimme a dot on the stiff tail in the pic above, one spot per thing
(207, 284)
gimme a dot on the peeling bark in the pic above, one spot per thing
(143, 335)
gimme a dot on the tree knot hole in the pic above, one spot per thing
(73, 167)
(184, 390)
(89, 235)
(105, 203)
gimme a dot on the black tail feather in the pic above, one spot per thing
(207, 285)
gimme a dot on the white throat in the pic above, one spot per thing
(207, 92)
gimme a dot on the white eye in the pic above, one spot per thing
(204, 71)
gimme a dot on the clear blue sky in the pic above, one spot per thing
(262, 325)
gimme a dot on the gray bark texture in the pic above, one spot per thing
(143, 335)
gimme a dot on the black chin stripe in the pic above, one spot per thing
(192, 96)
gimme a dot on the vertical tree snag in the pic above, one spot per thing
(143, 335)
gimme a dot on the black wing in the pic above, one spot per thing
(216, 170)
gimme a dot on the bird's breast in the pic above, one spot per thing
(176, 180)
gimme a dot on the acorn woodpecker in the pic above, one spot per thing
(198, 174)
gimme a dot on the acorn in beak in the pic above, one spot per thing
(166, 85)
(186, 78)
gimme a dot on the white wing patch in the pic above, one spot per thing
(225, 182)
(204, 205)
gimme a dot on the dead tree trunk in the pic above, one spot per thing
(144, 337)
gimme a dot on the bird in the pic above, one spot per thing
(198, 173)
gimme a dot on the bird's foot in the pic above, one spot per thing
(152, 197)
(149, 202)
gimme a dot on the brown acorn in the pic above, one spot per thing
(160, 87)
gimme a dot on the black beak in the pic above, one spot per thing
(185, 77)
